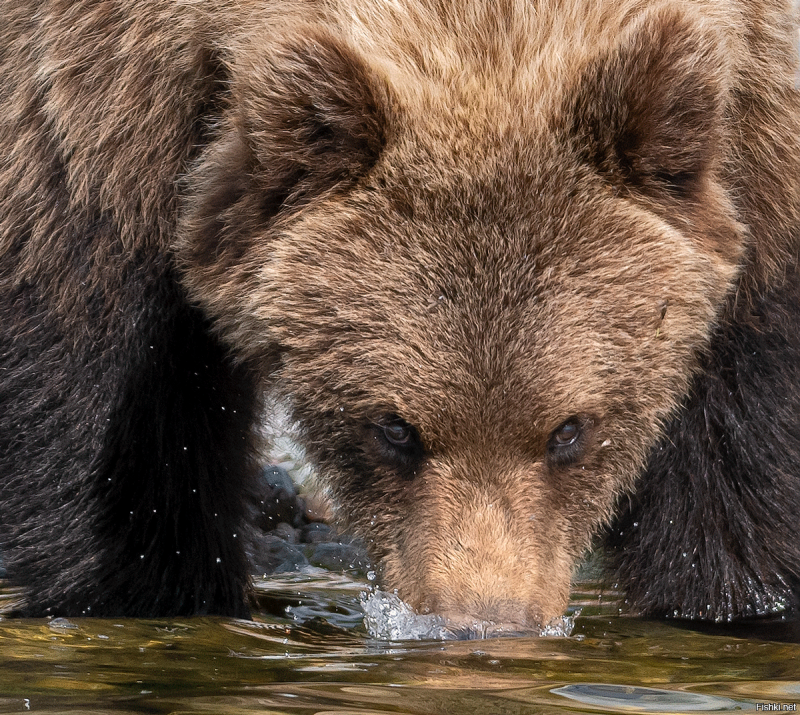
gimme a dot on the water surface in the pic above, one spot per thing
(307, 652)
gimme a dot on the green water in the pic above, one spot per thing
(317, 658)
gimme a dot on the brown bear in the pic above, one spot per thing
(525, 272)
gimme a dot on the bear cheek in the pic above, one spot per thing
(481, 548)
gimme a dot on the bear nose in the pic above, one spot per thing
(489, 618)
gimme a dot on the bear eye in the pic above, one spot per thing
(398, 433)
(396, 444)
(565, 445)
(400, 440)
(567, 434)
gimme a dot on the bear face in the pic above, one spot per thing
(495, 255)
(481, 292)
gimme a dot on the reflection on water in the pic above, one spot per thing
(653, 700)
(307, 651)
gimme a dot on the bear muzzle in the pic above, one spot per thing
(486, 574)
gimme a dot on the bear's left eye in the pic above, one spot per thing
(566, 442)
(398, 433)
(567, 434)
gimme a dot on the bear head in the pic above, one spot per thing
(478, 259)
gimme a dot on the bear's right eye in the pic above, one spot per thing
(398, 442)
(399, 434)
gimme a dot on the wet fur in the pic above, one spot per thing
(484, 218)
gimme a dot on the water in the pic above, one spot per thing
(307, 651)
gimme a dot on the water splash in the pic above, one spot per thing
(560, 627)
(387, 617)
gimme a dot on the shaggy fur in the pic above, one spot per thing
(495, 256)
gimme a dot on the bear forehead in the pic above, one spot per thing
(414, 298)
(480, 257)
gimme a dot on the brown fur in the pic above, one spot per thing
(484, 218)
(549, 231)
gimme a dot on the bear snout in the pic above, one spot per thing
(476, 558)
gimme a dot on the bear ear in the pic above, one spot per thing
(304, 117)
(648, 114)
(312, 114)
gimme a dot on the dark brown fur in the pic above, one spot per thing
(477, 222)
